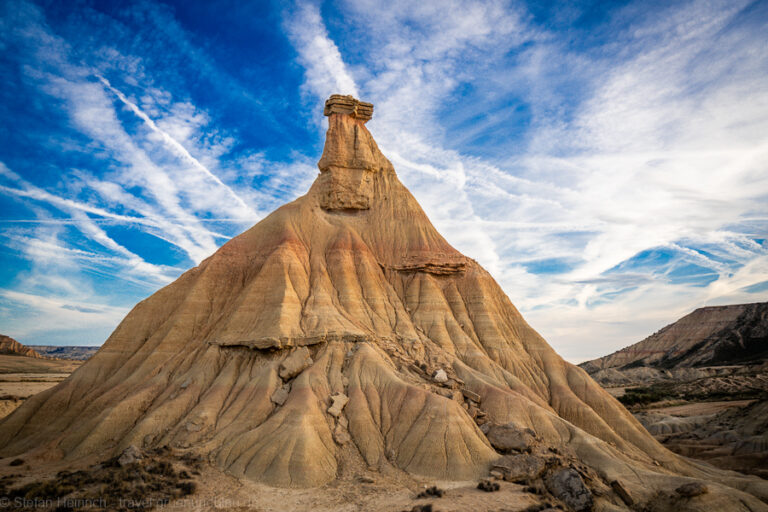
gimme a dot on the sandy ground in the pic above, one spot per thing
(25, 389)
(21, 364)
(225, 493)
(357, 488)
(396, 491)
(22, 377)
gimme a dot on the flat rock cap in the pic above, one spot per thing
(340, 104)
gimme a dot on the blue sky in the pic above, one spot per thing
(607, 162)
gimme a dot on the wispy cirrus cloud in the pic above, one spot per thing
(161, 175)
(607, 164)
(663, 148)
(181, 151)
(326, 72)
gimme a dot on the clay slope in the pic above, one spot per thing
(711, 336)
(347, 292)
(10, 346)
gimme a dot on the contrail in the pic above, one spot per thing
(173, 143)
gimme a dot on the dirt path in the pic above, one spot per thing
(700, 408)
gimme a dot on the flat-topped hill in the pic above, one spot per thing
(710, 336)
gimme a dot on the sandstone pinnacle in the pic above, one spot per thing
(346, 292)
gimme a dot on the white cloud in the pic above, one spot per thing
(130, 261)
(180, 150)
(159, 178)
(40, 313)
(325, 70)
(654, 141)
(665, 147)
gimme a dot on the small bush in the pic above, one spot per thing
(187, 488)
(153, 478)
(431, 491)
(162, 468)
(488, 486)
(644, 396)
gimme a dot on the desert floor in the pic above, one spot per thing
(22, 377)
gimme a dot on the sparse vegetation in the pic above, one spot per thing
(430, 492)
(149, 482)
(488, 486)
(643, 396)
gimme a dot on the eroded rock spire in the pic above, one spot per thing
(350, 157)
(350, 293)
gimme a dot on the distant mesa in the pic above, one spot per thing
(709, 336)
(9, 346)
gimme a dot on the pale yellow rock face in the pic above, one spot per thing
(349, 163)
(356, 273)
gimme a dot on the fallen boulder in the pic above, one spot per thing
(295, 363)
(517, 468)
(622, 492)
(507, 438)
(567, 486)
(129, 456)
(470, 395)
(440, 376)
(340, 434)
(339, 401)
(692, 489)
(280, 395)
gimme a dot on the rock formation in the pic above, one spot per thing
(339, 104)
(10, 346)
(713, 352)
(717, 335)
(313, 339)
